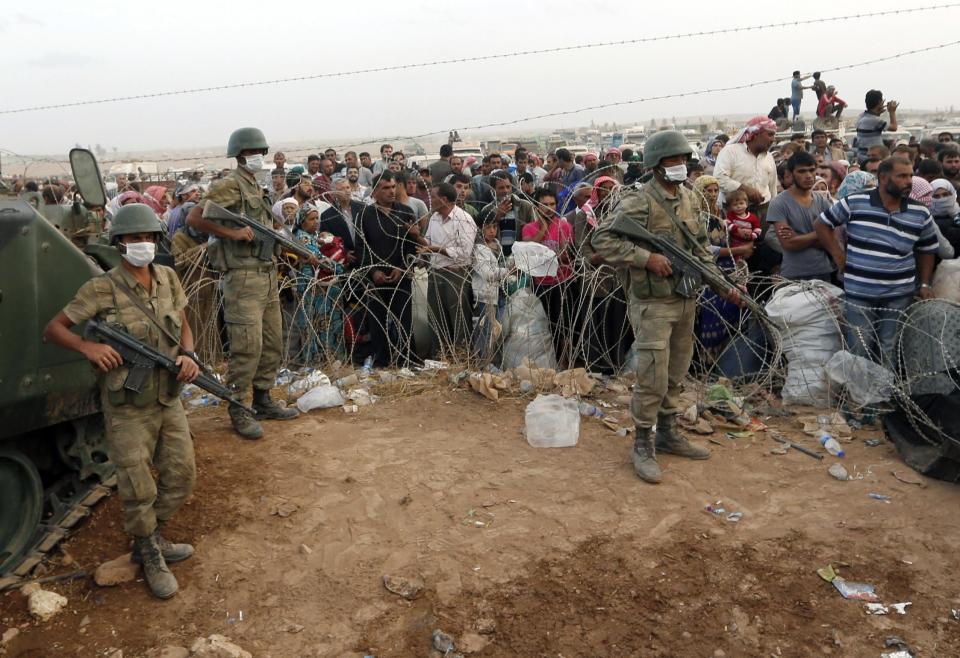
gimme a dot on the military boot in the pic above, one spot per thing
(244, 424)
(271, 409)
(645, 457)
(171, 552)
(161, 581)
(671, 442)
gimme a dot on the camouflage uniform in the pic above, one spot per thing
(662, 320)
(150, 427)
(251, 301)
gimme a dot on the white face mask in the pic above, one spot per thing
(253, 162)
(140, 254)
(676, 173)
(942, 207)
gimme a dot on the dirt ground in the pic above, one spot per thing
(523, 551)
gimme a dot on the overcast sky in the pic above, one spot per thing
(94, 49)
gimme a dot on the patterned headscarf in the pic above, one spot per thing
(755, 125)
(700, 187)
(922, 191)
(856, 182)
(305, 210)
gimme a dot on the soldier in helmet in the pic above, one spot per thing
(251, 302)
(148, 428)
(661, 312)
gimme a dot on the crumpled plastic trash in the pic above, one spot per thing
(535, 259)
(865, 381)
(321, 397)
(552, 421)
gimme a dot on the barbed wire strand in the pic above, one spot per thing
(481, 58)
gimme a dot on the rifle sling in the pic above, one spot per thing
(687, 235)
(122, 285)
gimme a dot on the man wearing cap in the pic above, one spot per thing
(611, 165)
(187, 193)
(251, 303)
(660, 306)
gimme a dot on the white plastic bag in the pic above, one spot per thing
(552, 421)
(535, 259)
(866, 382)
(321, 397)
(526, 331)
(808, 318)
(946, 280)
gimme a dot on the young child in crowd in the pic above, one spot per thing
(743, 225)
(489, 272)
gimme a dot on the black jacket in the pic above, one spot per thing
(333, 221)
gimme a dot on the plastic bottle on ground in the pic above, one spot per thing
(831, 445)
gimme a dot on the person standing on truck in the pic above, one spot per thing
(251, 301)
(148, 428)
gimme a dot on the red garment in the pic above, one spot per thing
(750, 222)
(828, 100)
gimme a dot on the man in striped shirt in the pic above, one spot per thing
(891, 243)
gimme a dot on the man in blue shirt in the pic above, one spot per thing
(891, 242)
(796, 92)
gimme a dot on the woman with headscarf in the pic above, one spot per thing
(318, 317)
(946, 211)
(284, 215)
(714, 146)
(714, 314)
(856, 182)
(922, 192)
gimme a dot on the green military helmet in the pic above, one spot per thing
(243, 139)
(663, 145)
(134, 218)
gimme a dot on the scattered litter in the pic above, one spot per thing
(901, 608)
(406, 373)
(691, 414)
(348, 381)
(909, 480)
(856, 591)
(322, 397)
(781, 450)
(740, 435)
(716, 509)
(833, 424)
(458, 378)
(409, 588)
(442, 642)
(877, 496)
(876, 609)
(575, 382)
(734, 517)
(838, 471)
(312, 379)
(360, 397)
(350, 408)
(552, 421)
(589, 410)
(487, 385)
(827, 573)
(903, 649)
(955, 614)
(776, 436)
(430, 364)
(872, 443)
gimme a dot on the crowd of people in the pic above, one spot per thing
(357, 240)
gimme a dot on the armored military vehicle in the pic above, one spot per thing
(53, 464)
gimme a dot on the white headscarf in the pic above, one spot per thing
(278, 207)
(946, 206)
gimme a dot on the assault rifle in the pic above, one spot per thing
(263, 236)
(694, 273)
(142, 359)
